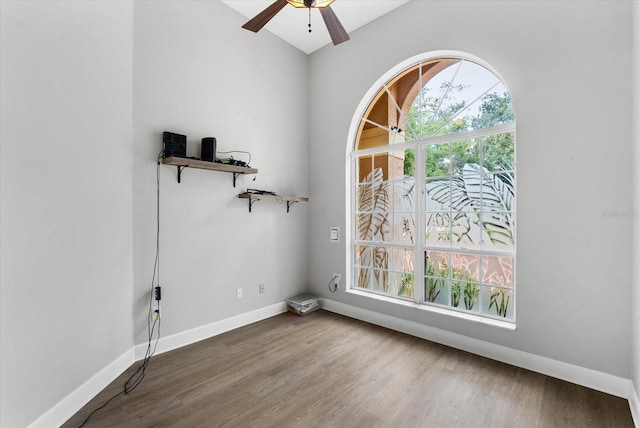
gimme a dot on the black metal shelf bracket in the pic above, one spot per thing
(253, 197)
(289, 203)
(251, 201)
(180, 168)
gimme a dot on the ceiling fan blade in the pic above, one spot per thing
(336, 30)
(261, 19)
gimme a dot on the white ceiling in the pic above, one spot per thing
(290, 24)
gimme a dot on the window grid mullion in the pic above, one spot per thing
(419, 178)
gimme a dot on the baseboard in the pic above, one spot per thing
(634, 404)
(197, 334)
(589, 378)
(68, 406)
(593, 379)
(73, 402)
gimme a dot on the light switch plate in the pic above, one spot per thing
(334, 234)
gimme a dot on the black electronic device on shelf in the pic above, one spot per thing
(174, 145)
(260, 192)
(208, 151)
(232, 161)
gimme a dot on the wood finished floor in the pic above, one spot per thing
(326, 370)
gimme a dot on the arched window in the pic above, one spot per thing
(433, 178)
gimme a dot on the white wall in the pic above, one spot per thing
(635, 312)
(85, 98)
(197, 72)
(66, 208)
(568, 67)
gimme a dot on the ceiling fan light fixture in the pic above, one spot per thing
(314, 4)
(336, 31)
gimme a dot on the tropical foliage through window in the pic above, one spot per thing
(434, 190)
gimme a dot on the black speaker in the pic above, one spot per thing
(174, 145)
(208, 152)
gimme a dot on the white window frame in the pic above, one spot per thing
(418, 300)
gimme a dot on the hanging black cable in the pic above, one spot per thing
(153, 317)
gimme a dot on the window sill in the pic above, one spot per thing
(450, 313)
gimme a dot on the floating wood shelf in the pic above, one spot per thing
(290, 200)
(183, 163)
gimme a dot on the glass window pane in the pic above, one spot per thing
(438, 229)
(462, 97)
(363, 255)
(437, 160)
(403, 259)
(465, 295)
(404, 211)
(374, 226)
(373, 202)
(409, 164)
(362, 277)
(438, 195)
(497, 301)
(498, 192)
(498, 152)
(380, 280)
(465, 232)
(397, 134)
(436, 269)
(493, 108)
(380, 258)
(362, 265)
(364, 168)
(393, 163)
(373, 135)
(466, 192)
(465, 267)
(401, 284)
(416, 126)
(436, 289)
(498, 231)
(497, 271)
(372, 264)
(497, 216)
(464, 152)
(363, 198)
(456, 193)
(404, 228)
(404, 194)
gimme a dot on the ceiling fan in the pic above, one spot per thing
(336, 30)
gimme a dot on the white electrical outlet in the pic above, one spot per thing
(336, 279)
(261, 288)
(238, 293)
